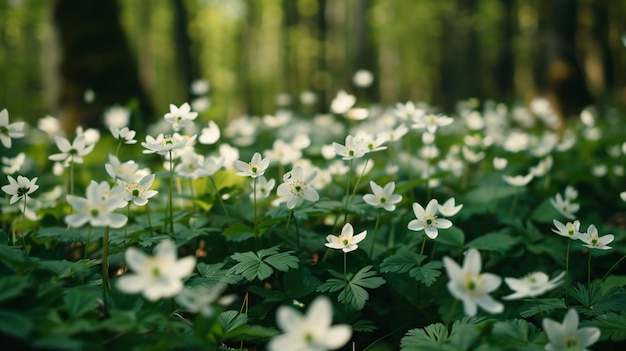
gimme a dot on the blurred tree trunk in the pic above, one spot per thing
(505, 66)
(363, 54)
(94, 55)
(600, 50)
(186, 62)
(558, 73)
(460, 65)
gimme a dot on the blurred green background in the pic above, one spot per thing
(146, 53)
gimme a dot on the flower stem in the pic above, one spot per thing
(345, 217)
(219, 197)
(106, 285)
(358, 180)
(117, 150)
(256, 232)
(374, 236)
(422, 251)
(345, 277)
(287, 228)
(455, 304)
(589, 280)
(612, 267)
(71, 177)
(23, 225)
(567, 271)
(171, 186)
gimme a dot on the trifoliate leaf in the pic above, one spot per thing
(427, 273)
(259, 265)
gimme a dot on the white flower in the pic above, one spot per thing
(255, 168)
(180, 117)
(565, 206)
(164, 144)
(201, 299)
(8, 131)
(408, 111)
(426, 219)
(263, 187)
(543, 167)
(297, 187)
(200, 104)
(97, 207)
(116, 117)
(127, 171)
(200, 86)
(518, 180)
(383, 197)
(570, 230)
(13, 165)
(71, 153)
(210, 165)
(567, 336)
(571, 193)
(126, 135)
(310, 332)
(468, 285)
(430, 122)
(342, 102)
(471, 155)
(353, 148)
(91, 135)
(449, 208)
(531, 285)
(622, 195)
(50, 125)
(363, 78)
(139, 191)
(593, 241)
(156, 276)
(210, 135)
(20, 189)
(283, 153)
(346, 241)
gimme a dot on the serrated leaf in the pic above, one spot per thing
(214, 273)
(543, 305)
(427, 273)
(401, 262)
(612, 325)
(432, 337)
(363, 326)
(259, 265)
(354, 292)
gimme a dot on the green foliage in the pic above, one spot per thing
(612, 326)
(353, 291)
(406, 261)
(261, 264)
(462, 336)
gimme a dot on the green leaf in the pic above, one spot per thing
(543, 305)
(12, 286)
(57, 342)
(238, 232)
(612, 325)
(432, 337)
(401, 262)
(452, 236)
(488, 193)
(354, 293)
(212, 274)
(121, 321)
(15, 324)
(259, 265)
(496, 241)
(231, 320)
(62, 234)
(516, 331)
(79, 301)
(427, 273)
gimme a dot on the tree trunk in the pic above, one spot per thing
(94, 56)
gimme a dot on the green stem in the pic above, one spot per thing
(345, 218)
(374, 235)
(612, 267)
(514, 204)
(85, 252)
(72, 178)
(358, 180)
(117, 150)
(256, 232)
(589, 280)
(106, 285)
(455, 304)
(171, 187)
(422, 251)
(149, 220)
(287, 229)
(219, 197)
(23, 225)
(345, 276)
(126, 226)
(569, 242)
(191, 191)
